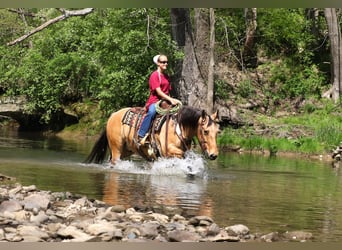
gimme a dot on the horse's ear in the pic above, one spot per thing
(215, 116)
(203, 116)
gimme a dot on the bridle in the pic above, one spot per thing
(202, 141)
(186, 142)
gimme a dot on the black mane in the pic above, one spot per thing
(188, 117)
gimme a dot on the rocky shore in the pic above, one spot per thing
(28, 214)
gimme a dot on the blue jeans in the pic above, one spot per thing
(146, 123)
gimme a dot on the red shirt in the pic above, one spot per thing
(158, 80)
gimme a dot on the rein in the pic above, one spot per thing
(202, 141)
(186, 143)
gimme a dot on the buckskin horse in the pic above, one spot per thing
(171, 137)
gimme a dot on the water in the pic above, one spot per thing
(265, 194)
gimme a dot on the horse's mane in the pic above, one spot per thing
(188, 117)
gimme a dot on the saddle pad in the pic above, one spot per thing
(133, 117)
(158, 123)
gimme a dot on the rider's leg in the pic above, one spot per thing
(146, 123)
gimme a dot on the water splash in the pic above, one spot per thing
(192, 165)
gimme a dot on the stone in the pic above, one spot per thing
(37, 201)
(237, 230)
(271, 237)
(149, 230)
(14, 191)
(197, 220)
(182, 236)
(73, 234)
(2, 234)
(161, 218)
(30, 188)
(31, 233)
(40, 218)
(118, 208)
(22, 216)
(213, 230)
(10, 206)
(100, 228)
(223, 236)
(298, 236)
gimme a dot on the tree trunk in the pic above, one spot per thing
(201, 31)
(210, 93)
(336, 54)
(249, 50)
(189, 84)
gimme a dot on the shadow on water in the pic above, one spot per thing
(265, 194)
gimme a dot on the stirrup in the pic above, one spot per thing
(142, 141)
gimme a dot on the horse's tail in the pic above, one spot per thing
(99, 150)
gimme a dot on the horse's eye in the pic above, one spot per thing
(206, 132)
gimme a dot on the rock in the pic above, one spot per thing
(30, 188)
(6, 178)
(200, 220)
(298, 236)
(161, 218)
(40, 218)
(2, 234)
(31, 233)
(182, 236)
(22, 216)
(14, 191)
(118, 208)
(223, 236)
(271, 237)
(177, 217)
(108, 215)
(100, 228)
(10, 206)
(37, 201)
(132, 232)
(149, 230)
(73, 234)
(30, 215)
(237, 230)
(213, 230)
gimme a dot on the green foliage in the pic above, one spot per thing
(106, 55)
(284, 30)
(246, 89)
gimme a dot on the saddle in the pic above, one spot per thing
(134, 117)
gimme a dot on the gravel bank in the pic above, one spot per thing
(31, 215)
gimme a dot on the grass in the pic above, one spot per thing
(312, 131)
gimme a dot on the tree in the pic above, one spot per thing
(66, 14)
(249, 50)
(210, 94)
(336, 54)
(189, 82)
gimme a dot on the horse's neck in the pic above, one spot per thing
(187, 133)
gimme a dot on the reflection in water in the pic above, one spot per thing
(265, 194)
(173, 193)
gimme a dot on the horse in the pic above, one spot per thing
(173, 138)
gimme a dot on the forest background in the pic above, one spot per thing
(273, 74)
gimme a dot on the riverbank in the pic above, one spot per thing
(28, 214)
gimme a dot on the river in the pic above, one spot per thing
(266, 194)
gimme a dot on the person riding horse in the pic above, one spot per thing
(159, 89)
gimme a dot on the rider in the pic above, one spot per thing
(159, 89)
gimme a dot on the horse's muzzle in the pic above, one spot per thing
(212, 157)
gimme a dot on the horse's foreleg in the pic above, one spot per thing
(116, 154)
(173, 151)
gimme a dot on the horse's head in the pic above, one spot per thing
(207, 131)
